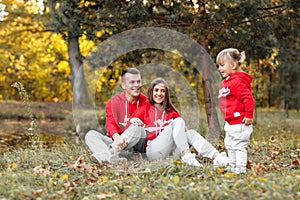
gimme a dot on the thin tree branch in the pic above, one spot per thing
(174, 24)
(271, 8)
(264, 16)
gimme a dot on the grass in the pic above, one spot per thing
(66, 172)
(63, 170)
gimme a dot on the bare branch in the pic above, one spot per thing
(271, 8)
(265, 16)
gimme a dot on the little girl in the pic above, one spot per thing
(237, 105)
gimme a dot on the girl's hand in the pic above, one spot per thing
(248, 121)
(136, 121)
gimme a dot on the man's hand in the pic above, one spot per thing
(248, 121)
(120, 143)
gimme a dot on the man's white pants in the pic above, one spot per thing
(100, 144)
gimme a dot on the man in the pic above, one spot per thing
(118, 112)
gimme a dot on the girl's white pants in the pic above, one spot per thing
(236, 141)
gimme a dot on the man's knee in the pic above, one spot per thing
(90, 135)
(136, 131)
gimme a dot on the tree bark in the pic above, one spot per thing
(210, 105)
(82, 107)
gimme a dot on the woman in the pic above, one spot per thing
(166, 132)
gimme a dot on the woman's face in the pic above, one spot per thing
(159, 93)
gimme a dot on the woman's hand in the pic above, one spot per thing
(136, 121)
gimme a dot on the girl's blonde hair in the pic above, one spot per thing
(231, 54)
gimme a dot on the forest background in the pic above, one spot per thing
(42, 43)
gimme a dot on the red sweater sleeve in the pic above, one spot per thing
(111, 124)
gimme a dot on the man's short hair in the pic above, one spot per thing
(130, 71)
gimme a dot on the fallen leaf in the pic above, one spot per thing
(14, 165)
(229, 174)
(262, 179)
(144, 190)
(41, 171)
(295, 163)
(64, 177)
(80, 165)
(102, 179)
(258, 168)
(104, 195)
(219, 170)
(177, 162)
(248, 165)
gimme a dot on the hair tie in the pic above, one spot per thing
(242, 56)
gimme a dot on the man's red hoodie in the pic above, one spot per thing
(119, 111)
(235, 98)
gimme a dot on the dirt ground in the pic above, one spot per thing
(50, 117)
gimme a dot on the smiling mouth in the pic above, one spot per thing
(159, 98)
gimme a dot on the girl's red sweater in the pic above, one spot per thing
(235, 98)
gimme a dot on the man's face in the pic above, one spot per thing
(132, 84)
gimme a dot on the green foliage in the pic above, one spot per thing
(266, 30)
(251, 26)
(32, 55)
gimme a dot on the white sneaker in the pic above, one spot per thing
(99, 158)
(221, 160)
(190, 159)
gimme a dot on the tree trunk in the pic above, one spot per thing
(210, 104)
(82, 107)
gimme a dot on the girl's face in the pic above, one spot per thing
(159, 93)
(226, 68)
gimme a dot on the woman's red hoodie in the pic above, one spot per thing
(155, 120)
